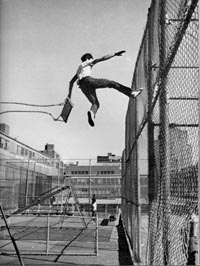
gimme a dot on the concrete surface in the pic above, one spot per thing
(113, 252)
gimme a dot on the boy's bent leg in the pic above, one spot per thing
(90, 93)
(90, 118)
(92, 97)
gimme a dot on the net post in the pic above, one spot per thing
(150, 128)
(138, 207)
(89, 185)
(198, 259)
(164, 145)
(96, 238)
(12, 238)
(26, 189)
(47, 240)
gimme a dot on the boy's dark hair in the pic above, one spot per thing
(86, 56)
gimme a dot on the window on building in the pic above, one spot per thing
(108, 181)
(22, 151)
(1, 143)
(4, 143)
(18, 149)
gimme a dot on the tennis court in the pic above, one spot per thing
(53, 234)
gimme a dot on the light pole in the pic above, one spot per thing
(89, 184)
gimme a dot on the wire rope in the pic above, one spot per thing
(25, 111)
(36, 105)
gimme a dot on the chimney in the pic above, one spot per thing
(4, 128)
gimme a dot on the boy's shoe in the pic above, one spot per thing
(137, 92)
(90, 118)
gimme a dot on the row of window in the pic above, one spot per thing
(14, 148)
(20, 150)
(97, 181)
(87, 172)
(79, 172)
(99, 191)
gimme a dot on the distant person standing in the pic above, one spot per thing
(39, 206)
(94, 205)
(52, 200)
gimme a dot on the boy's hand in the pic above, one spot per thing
(120, 53)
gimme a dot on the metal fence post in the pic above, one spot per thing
(12, 238)
(152, 192)
(164, 142)
(198, 262)
(138, 201)
(89, 185)
(26, 188)
(47, 243)
(97, 237)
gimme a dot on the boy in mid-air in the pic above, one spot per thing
(88, 84)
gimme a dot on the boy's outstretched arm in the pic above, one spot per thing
(106, 57)
(71, 84)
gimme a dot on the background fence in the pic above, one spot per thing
(47, 202)
(162, 125)
(50, 235)
(24, 182)
(41, 206)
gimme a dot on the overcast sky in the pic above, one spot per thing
(41, 45)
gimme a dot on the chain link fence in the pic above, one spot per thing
(50, 235)
(47, 203)
(41, 208)
(166, 114)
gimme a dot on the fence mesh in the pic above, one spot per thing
(47, 202)
(50, 234)
(167, 113)
(25, 181)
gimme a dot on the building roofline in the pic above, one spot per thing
(25, 145)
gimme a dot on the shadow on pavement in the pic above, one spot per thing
(124, 253)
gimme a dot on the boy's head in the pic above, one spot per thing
(86, 56)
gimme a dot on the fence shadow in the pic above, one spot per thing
(123, 251)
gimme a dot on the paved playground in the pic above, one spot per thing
(112, 250)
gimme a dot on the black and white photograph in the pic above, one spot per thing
(99, 132)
